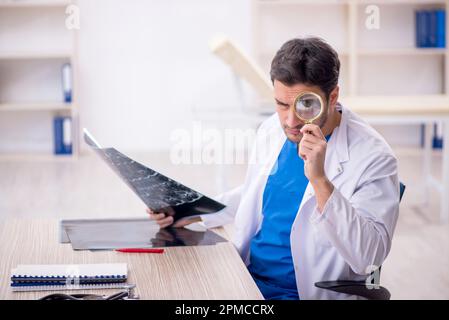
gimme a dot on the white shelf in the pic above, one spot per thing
(401, 51)
(384, 105)
(302, 2)
(24, 55)
(48, 106)
(33, 3)
(346, 2)
(401, 2)
(269, 53)
(398, 105)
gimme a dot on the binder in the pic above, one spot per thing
(430, 28)
(62, 128)
(437, 141)
(441, 28)
(68, 277)
(432, 31)
(67, 82)
(422, 24)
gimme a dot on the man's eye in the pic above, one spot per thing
(283, 106)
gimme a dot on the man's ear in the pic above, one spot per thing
(333, 97)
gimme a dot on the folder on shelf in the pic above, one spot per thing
(437, 140)
(441, 28)
(432, 31)
(430, 28)
(62, 127)
(67, 82)
(421, 28)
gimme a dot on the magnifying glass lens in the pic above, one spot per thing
(308, 107)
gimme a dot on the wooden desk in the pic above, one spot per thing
(203, 272)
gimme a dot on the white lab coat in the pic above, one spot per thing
(356, 227)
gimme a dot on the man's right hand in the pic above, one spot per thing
(164, 220)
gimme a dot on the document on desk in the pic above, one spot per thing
(108, 234)
(157, 191)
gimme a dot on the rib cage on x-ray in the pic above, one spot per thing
(157, 191)
(152, 187)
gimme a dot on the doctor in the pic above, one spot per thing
(322, 203)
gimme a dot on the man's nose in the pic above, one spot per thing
(292, 120)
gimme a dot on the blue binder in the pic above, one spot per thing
(432, 31)
(62, 135)
(421, 24)
(441, 28)
(437, 140)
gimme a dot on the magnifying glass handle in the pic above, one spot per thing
(309, 122)
(310, 132)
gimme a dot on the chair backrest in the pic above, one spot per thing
(359, 288)
(401, 190)
(401, 194)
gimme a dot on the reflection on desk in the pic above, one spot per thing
(107, 234)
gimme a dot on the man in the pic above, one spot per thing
(323, 204)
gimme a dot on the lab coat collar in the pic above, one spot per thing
(337, 147)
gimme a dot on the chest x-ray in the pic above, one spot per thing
(158, 192)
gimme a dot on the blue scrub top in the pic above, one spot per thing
(271, 263)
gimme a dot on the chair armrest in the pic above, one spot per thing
(358, 288)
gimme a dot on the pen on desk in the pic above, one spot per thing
(138, 250)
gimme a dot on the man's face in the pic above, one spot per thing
(285, 97)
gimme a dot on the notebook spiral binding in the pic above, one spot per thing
(60, 277)
(70, 287)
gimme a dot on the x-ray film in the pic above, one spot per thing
(158, 192)
(108, 234)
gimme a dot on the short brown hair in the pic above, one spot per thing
(310, 61)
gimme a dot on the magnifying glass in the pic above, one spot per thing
(308, 106)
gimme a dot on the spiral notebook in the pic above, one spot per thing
(68, 276)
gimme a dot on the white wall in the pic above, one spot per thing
(145, 64)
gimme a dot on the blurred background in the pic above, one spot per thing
(138, 72)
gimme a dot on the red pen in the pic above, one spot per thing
(139, 250)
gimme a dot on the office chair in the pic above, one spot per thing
(360, 288)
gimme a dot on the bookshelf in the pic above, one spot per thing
(377, 66)
(34, 45)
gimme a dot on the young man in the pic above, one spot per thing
(323, 203)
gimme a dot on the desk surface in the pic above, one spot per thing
(203, 272)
